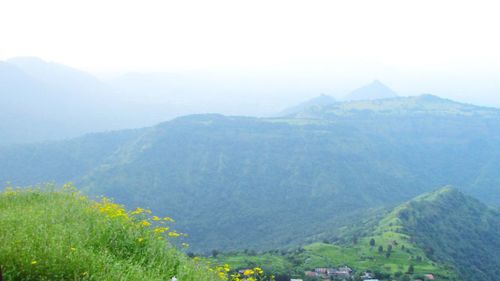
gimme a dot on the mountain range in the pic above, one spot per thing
(244, 182)
(49, 101)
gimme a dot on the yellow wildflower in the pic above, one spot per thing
(137, 211)
(160, 230)
(173, 234)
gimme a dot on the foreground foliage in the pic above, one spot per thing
(50, 234)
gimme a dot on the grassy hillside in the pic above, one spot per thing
(455, 229)
(361, 256)
(446, 233)
(236, 182)
(62, 235)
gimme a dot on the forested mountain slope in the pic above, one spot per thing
(236, 182)
(444, 233)
(455, 229)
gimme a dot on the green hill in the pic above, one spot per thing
(62, 235)
(260, 183)
(444, 233)
(455, 229)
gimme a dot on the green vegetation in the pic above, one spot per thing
(236, 183)
(445, 233)
(328, 174)
(61, 235)
(269, 261)
(455, 229)
(424, 105)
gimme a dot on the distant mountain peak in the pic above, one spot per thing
(372, 91)
(59, 75)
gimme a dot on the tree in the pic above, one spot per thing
(215, 253)
(410, 269)
(372, 242)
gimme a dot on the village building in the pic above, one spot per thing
(311, 274)
(429, 277)
(323, 270)
(367, 275)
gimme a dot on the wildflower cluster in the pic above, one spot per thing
(86, 240)
(252, 274)
(111, 209)
(142, 218)
(9, 191)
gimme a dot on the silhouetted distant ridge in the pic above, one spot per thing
(321, 100)
(422, 105)
(60, 75)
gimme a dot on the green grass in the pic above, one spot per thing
(360, 256)
(269, 262)
(47, 234)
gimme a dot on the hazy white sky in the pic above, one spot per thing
(448, 48)
(122, 35)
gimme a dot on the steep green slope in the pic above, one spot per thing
(62, 235)
(444, 233)
(61, 161)
(237, 183)
(456, 229)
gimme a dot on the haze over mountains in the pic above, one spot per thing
(249, 140)
(372, 91)
(49, 101)
(304, 175)
(318, 169)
